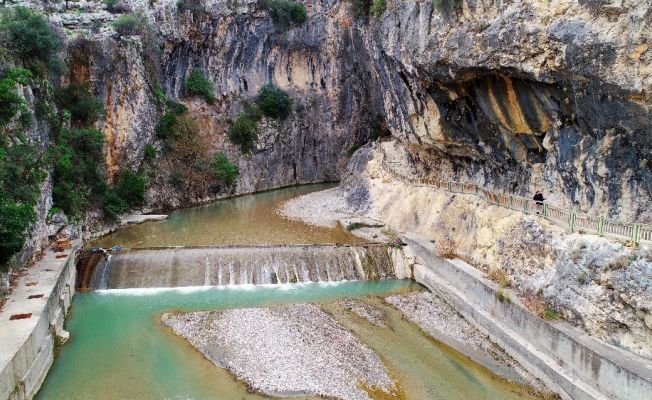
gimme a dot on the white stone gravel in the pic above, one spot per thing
(364, 310)
(294, 349)
(323, 208)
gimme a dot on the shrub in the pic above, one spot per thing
(76, 158)
(502, 296)
(130, 24)
(446, 248)
(20, 178)
(550, 313)
(224, 170)
(149, 152)
(286, 13)
(273, 102)
(447, 7)
(113, 205)
(360, 8)
(197, 84)
(130, 187)
(84, 108)
(31, 37)
(244, 132)
(10, 101)
(117, 6)
(378, 7)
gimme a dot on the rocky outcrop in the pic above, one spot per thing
(600, 285)
(520, 95)
(514, 95)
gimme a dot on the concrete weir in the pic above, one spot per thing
(221, 266)
(568, 360)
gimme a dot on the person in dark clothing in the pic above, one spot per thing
(538, 198)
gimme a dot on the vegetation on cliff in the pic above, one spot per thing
(271, 102)
(224, 169)
(198, 85)
(27, 40)
(286, 13)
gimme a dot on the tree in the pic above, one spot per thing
(31, 37)
(273, 102)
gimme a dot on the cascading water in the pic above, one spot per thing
(218, 266)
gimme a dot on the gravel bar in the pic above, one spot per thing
(286, 350)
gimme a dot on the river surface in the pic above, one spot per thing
(120, 349)
(244, 220)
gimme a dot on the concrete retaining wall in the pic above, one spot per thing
(576, 365)
(27, 346)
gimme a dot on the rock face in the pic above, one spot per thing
(514, 95)
(600, 285)
(524, 94)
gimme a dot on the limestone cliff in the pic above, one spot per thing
(517, 95)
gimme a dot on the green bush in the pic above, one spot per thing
(130, 186)
(84, 108)
(286, 13)
(378, 7)
(20, 179)
(273, 102)
(76, 158)
(10, 101)
(113, 205)
(224, 170)
(244, 132)
(31, 38)
(149, 152)
(197, 84)
(550, 313)
(130, 24)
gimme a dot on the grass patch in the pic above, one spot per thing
(358, 225)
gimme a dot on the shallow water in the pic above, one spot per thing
(120, 350)
(245, 220)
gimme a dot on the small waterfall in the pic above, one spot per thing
(207, 273)
(242, 265)
(104, 273)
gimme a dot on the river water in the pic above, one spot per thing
(244, 220)
(120, 350)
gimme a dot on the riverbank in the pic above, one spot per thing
(31, 322)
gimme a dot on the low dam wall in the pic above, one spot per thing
(32, 322)
(220, 266)
(576, 365)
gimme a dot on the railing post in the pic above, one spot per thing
(601, 225)
(525, 203)
(546, 212)
(636, 233)
(572, 222)
(511, 201)
(450, 186)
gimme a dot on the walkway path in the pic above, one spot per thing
(635, 232)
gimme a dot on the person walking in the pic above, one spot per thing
(538, 199)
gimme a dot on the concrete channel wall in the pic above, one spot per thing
(27, 345)
(576, 365)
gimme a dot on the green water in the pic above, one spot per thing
(120, 350)
(245, 220)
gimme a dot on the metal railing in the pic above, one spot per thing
(575, 221)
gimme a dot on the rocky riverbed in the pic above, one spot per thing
(285, 350)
